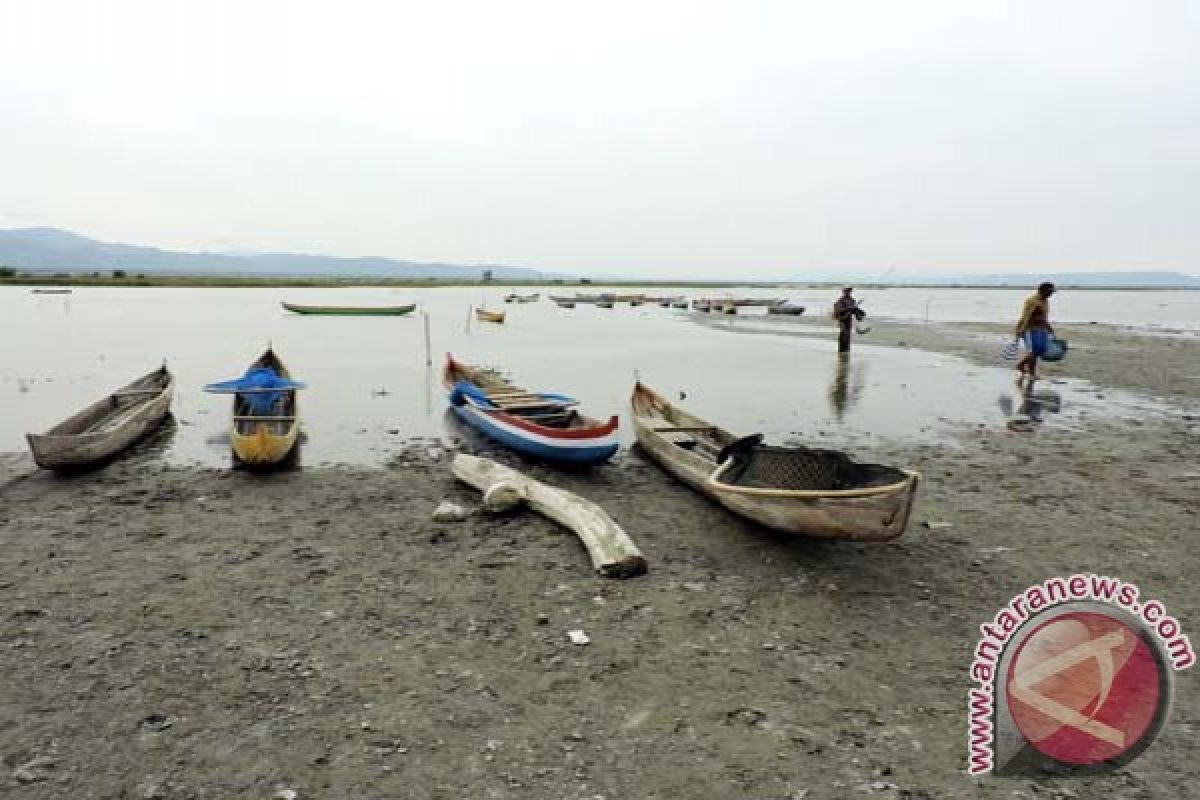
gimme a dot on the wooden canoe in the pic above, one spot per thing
(483, 315)
(867, 502)
(351, 311)
(107, 427)
(270, 440)
(540, 425)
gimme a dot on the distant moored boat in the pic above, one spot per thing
(351, 311)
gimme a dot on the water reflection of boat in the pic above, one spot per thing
(107, 427)
(540, 425)
(818, 493)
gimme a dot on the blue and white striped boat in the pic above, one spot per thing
(542, 426)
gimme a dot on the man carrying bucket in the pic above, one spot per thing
(845, 312)
(1034, 328)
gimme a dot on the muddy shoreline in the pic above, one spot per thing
(198, 633)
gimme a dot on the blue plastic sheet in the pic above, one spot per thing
(257, 379)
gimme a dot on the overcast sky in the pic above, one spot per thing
(650, 138)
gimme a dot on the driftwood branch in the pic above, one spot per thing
(613, 553)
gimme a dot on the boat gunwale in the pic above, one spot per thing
(911, 479)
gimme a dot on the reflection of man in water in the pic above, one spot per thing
(844, 393)
(839, 390)
(845, 312)
(1034, 328)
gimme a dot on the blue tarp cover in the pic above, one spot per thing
(260, 402)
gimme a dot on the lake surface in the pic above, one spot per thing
(371, 391)
(1152, 311)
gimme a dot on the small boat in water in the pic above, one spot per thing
(565, 303)
(786, 309)
(540, 425)
(107, 427)
(351, 311)
(604, 304)
(522, 298)
(756, 301)
(680, 302)
(51, 291)
(817, 493)
(483, 315)
(265, 428)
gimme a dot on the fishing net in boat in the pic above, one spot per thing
(767, 467)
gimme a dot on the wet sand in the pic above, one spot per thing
(197, 633)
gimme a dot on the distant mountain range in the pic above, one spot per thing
(53, 249)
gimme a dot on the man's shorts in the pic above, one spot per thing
(1036, 341)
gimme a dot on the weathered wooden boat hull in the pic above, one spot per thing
(350, 311)
(267, 442)
(106, 428)
(586, 442)
(868, 514)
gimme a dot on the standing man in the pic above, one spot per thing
(845, 312)
(1034, 328)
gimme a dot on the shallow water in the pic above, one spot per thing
(1167, 310)
(371, 390)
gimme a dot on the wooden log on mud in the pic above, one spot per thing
(613, 553)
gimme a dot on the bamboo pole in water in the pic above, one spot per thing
(428, 349)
